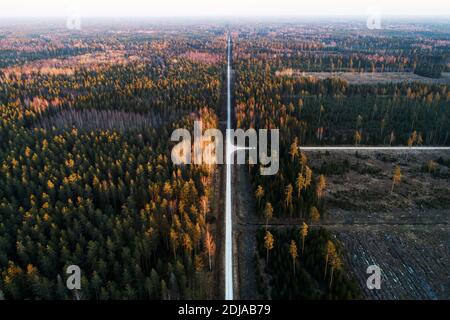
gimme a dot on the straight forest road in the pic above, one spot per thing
(228, 214)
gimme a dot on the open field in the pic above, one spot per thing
(413, 259)
(406, 232)
(373, 78)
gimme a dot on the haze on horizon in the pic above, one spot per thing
(205, 8)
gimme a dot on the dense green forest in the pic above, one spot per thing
(86, 178)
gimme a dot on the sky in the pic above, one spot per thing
(205, 8)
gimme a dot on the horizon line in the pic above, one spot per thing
(312, 15)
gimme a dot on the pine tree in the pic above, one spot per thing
(259, 194)
(314, 215)
(288, 198)
(303, 234)
(268, 213)
(210, 247)
(321, 185)
(268, 244)
(329, 254)
(294, 149)
(336, 264)
(396, 177)
(294, 253)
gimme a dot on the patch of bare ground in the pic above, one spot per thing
(90, 119)
(69, 65)
(369, 77)
(413, 259)
(405, 232)
(245, 234)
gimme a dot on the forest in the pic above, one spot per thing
(343, 85)
(332, 112)
(86, 176)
